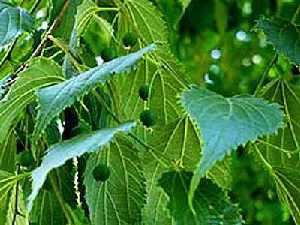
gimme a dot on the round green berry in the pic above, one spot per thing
(108, 54)
(144, 92)
(148, 117)
(101, 172)
(26, 159)
(129, 40)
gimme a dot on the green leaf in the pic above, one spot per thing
(173, 10)
(8, 152)
(284, 35)
(67, 21)
(86, 14)
(162, 73)
(175, 145)
(50, 206)
(46, 209)
(226, 123)
(59, 153)
(221, 173)
(8, 185)
(145, 17)
(41, 72)
(78, 216)
(280, 153)
(54, 99)
(210, 203)
(165, 81)
(14, 22)
(21, 218)
(119, 200)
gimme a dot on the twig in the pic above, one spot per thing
(42, 43)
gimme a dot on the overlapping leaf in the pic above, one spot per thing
(120, 199)
(54, 99)
(144, 16)
(8, 150)
(40, 73)
(16, 213)
(14, 21)
(162, 73)
(8, 190)
(53, 199)
(281, 152)
(86, 13)
(176, 145)
(284, 35)
(59, 153)
(210, 203)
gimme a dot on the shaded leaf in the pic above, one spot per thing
(284, 35)
(175, 145)
(8, 152)
(211, 205)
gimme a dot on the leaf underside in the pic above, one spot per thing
(235, 120)
(59, 153)
(14, 21)
(54, 99)
(284, 35)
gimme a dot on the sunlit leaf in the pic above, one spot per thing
(280, 153)
(41, 72)
(119, 200)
